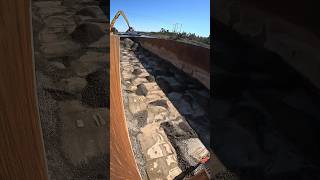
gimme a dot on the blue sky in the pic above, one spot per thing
(152, 15)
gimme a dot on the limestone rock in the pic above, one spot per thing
(156, 113)
(161, 158)
(136, 103)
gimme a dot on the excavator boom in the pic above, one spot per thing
(125, 18)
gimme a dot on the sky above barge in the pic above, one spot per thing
(146, 15)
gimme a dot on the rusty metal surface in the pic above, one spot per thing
(192, 59)
(122, 162)
(192, 54)
(21, 144)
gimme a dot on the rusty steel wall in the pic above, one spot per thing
(21, 145)
(192, 59)
(122, 162)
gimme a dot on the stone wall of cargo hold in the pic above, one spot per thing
(71, 59)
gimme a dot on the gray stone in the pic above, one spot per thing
(69, 3)
(242, 148)
(141, 56)
(95, 57)
(179, 129)
(103, 42)
(137, 81)
(135, 46)
(54, 65)
(60, 24)
(150, 78)
(141, 118)
(175, 96)
(85, 143)
(59, 49)
(136, 71)
(161, 102)
(141, 90)
(185, 107)
(172, 82)
(82, 69)
(93, 11)
(197, 110)
(48, 8)
(37, 23)
(73, 85)
(128, 42)
(164, 85)
(192, 150)
(45, 82)
(87, 33)
(45, 4)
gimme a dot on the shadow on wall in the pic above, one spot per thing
(265, 119)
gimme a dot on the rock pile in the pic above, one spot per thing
(158, 105)
(70, 41)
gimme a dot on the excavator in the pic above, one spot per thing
(113, 30)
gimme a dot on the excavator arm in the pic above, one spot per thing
(130, 29)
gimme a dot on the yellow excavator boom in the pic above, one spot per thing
(115, 19)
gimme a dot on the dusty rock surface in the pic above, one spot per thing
(71, 60)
